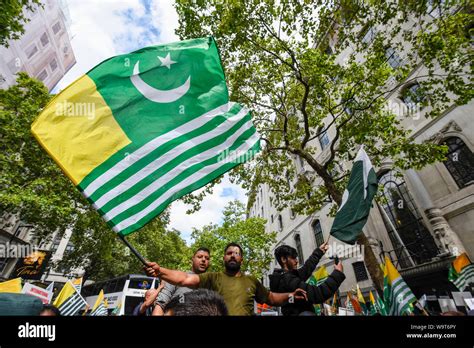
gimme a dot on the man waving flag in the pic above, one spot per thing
(141, 130)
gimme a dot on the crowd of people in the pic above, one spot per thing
(232, 292)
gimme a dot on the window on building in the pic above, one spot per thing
(69, 248)
(280, 222)
(393, 58)
(262, 212)
(271, 218)
(42, 75)
(56, 27)
(299, 248)
(31, 51)
(53, 64)
(412, 241)
(56, 242)
(359, 271)
(318, 233)
(413, 96)
(44, 39)
(369, 35)
(292, 214)
(459, 162)
(323, 140)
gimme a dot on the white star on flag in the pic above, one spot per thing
(166, 61)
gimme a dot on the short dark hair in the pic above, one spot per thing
(234, 245)
(201, 302)
(285, 251)
(202, 249)
(50, 307)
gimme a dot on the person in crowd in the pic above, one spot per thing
(238, 290)
(50, 311)
(290, 277)
(145, 307)
(200, 263)
(201, 302)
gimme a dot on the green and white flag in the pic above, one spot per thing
(356, 200)
(397, 295)
(143, 129)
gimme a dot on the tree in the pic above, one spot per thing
(248, 233)
(308, 68)
(32, 186)
(103, 256)
(12, 18)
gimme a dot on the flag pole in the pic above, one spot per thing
(133, 250)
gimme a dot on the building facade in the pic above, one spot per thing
(44, 51)
(428, 215)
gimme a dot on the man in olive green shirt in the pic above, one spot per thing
(238, 290)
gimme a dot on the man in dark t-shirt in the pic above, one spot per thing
(238, 290)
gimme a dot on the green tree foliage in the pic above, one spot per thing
(104, 256)
(32, 186)
(12, 18)
(249, 233)
(310, 67)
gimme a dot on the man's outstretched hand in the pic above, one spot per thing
(299, 294)
(152, 269)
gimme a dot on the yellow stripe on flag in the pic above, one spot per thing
(390, 271)
(78, 130)
(13, 285)
(372, 298)
(360, 297)
(460, 262)
(321, 273)
(99, 300)
(67, 291)
(77, 281)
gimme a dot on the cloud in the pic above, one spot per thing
(102, 29)
(211, 209)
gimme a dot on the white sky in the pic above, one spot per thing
(101, 29)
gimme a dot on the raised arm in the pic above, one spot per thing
(172, 276)
(305, 271)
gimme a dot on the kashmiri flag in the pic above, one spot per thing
(361, 300)
(69, 301)
(100, 307)
(461, 272)
(12, 286)
(116, 310)
(356, 200)
(397, 295)
(143, 129)
(77, 284)
(376, 305)
(317, 278)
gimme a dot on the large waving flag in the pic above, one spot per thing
(100, 308)
(356, 200)
(143, 129)
(397, 295)
(13, 286)
(461, 272)
(69, 301)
